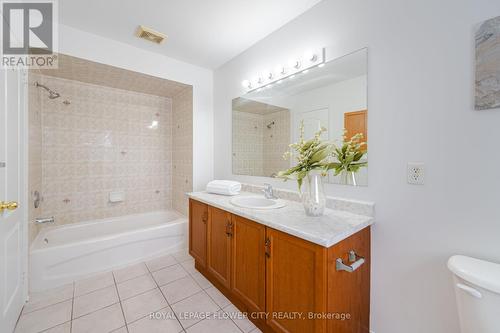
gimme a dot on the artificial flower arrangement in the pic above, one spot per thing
(315, 154)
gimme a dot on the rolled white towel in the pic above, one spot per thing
(224, 187)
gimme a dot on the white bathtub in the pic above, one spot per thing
(63, 254)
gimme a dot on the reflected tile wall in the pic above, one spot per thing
(257, 149)
(248, 144)
(277, 138)
(104, 140)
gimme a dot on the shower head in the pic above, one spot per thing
(52, 94)
(271, 124)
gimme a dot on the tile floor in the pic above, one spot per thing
(122, 301)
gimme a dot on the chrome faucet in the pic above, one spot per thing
(268, 192)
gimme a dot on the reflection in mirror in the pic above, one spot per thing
(267, 120)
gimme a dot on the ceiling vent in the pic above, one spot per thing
(150, 34)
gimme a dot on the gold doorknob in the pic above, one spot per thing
(12, 205)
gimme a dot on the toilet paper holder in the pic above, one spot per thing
(355, 262)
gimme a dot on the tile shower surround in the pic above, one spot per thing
(257, 149)
(105, 140)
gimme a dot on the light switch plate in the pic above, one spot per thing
(416, 173)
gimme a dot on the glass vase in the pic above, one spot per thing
(313, 194)
(348, 178)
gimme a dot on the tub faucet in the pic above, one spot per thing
(268, 192)
(44, 220)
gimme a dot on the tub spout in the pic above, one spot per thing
(45, 220)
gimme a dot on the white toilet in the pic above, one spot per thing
(477, 288)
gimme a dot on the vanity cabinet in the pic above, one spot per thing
(286, 284)
(295, 282)
(198, 219)
(249, 263)
(219, 245)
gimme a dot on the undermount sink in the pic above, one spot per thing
(256, 202)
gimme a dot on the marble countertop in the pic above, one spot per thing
(327, 230)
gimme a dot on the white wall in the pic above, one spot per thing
(420, 97)
(95, 48)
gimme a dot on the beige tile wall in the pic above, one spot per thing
(182, 149)
(248, 143)
(105, 140)
(276, 139)
(257, 149)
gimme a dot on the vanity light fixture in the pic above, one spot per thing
(302, 64)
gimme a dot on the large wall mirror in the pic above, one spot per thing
(267, 120)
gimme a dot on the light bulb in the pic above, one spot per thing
(294, 63)
(311, 56)
(281, 70)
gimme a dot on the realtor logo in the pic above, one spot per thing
(29, 31)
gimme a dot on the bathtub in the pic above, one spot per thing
(63, 254)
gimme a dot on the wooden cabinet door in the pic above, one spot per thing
(349, 292)
(249, 263)
(356, 122)
(198, 218)
(219, 245)
(296, 275)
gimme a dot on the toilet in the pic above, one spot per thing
(477, 289)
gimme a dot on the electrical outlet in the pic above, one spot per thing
(416, 173)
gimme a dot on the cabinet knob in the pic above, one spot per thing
(204, 217)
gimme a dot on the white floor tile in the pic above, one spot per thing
(45, 318)
(180, 289)
(166, 323)
(94, 301)
(42, 299)
(169, 274)
(130, 272)
(160, 262)
(182, 256)
(239, 319)
(120, 330)
(201, 280)
(104, 320)
(94, 283)
(189, 266)
(143, 304)
(193, 309)
(136, 286)
(63, 328)
(214, 325)
(217, 297)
